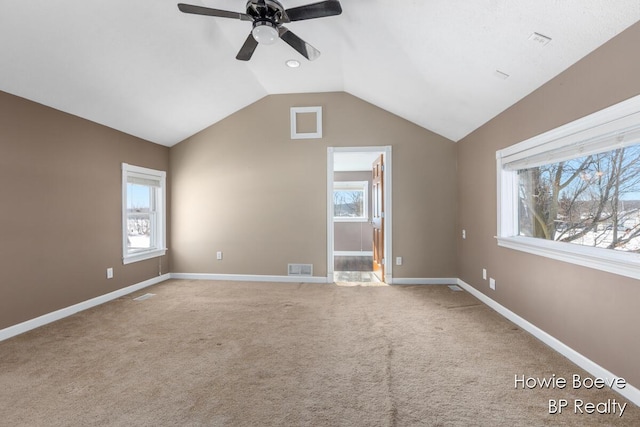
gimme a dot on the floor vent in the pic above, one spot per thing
(455, 288)
(300, 269)
(144, 297)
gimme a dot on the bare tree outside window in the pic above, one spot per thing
(348, 203)
(592, 200)
(350, 200)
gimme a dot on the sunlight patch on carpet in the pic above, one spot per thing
(144, 297)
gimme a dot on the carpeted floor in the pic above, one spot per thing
(202, 353)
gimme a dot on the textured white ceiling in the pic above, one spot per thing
(144, 68)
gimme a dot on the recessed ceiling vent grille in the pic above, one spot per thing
(300, 269)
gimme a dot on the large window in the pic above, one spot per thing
(590, 200)
(573, 193)
(143, 213)
(350, 201)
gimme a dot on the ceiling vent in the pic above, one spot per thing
(540, 39)
(501, 75)
(300, 269)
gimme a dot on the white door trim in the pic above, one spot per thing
(388, 203)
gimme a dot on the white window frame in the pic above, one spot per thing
(605, 130)
(357, 186)
(159, 233)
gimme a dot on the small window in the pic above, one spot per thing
(350, 201)
(143, 213)
(573, 193)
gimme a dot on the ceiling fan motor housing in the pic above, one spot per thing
(267, 15)
(270, 10)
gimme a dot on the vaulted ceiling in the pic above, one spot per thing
(145, 68)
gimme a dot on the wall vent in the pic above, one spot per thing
(300, 269)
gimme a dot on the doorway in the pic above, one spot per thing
(359, 215)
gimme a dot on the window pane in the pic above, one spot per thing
(140, 216)
(348, 204)
(592, 200)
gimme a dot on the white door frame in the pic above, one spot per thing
(388, 256)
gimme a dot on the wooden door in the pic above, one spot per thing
(377, 217)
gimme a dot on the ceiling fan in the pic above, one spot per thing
(267, 17)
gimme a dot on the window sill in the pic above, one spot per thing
(348, 219)
(141, 256)
(612, 261)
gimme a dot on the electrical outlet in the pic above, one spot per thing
(219, 255)
(109, 273)
(399, 260)
(492, 283)
(484, 274)
(464, 234)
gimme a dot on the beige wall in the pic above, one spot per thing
(244, 187)
(60, 218)
(593, 312)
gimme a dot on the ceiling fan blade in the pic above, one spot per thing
(314, 10)
(199, 10)
(247, 49)
(298, 44)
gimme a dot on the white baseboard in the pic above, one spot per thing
(249, 278)
(630, 392)
(28, 325)
(306, 279)
(418, 281)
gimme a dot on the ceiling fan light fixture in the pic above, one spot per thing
(292, 63)
(265, 32)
